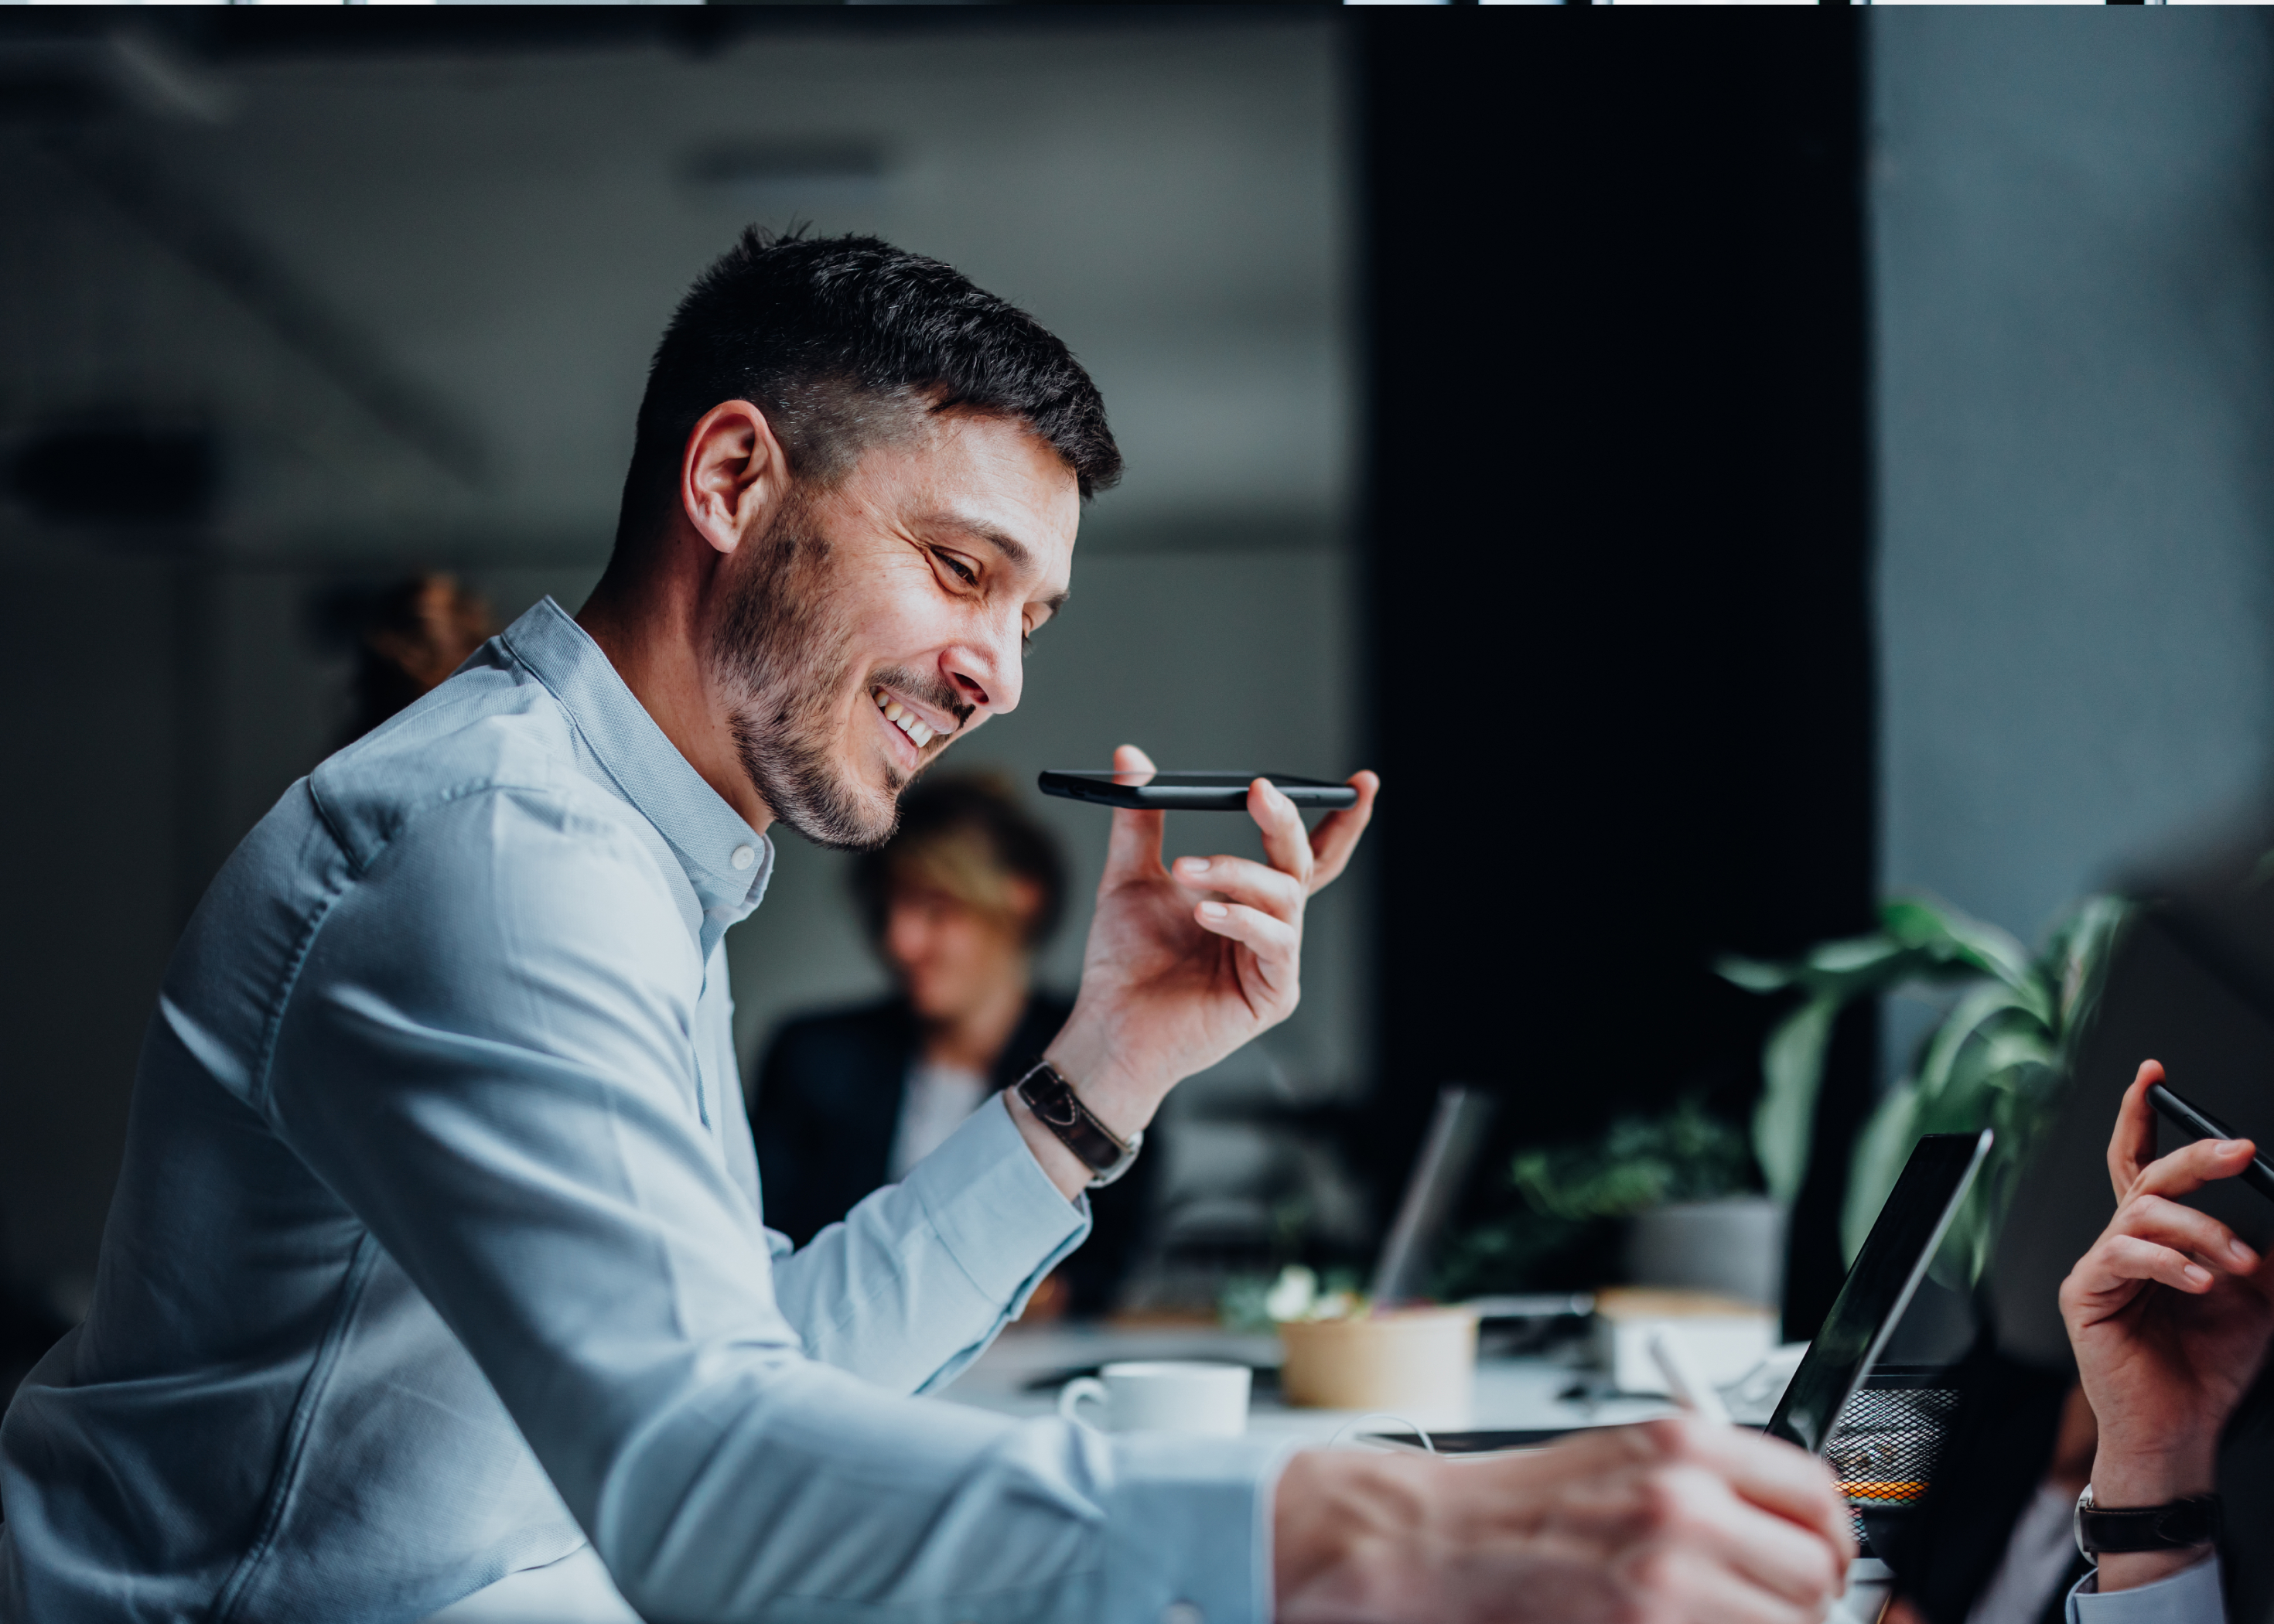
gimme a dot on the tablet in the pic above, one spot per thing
(1878, 1288)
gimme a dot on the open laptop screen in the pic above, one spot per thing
(1879, 1286)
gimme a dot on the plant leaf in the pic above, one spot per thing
(1792, 1069)
(1918, 921)
(1881, 1149)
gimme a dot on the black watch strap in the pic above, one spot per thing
(1056, 1105)
(2182, 1523)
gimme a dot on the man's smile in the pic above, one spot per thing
(917, 727)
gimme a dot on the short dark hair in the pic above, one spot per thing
(939, 814)
(835, 338)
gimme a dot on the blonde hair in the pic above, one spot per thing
(966, 836)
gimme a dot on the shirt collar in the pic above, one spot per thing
(727, 860)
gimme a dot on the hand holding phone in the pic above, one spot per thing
(2258, 1173)
(2169, 1314)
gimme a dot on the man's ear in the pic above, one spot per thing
(732, 469)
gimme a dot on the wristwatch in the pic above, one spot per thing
(1056, 1105)
(2194, 1521)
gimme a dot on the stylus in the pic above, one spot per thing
(1692, 1390)
(2259, 1174)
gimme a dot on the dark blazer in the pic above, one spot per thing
(828, 1102)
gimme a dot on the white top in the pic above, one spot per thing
(937, 1100)
(2038, 1553)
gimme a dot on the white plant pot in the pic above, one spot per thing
(1734, 1246)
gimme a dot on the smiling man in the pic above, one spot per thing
(437, 1276)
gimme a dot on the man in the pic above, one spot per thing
(437, 1262)
(2171, 1315)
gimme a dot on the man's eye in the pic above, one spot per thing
(963, 572)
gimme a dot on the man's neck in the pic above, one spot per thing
(648, 625)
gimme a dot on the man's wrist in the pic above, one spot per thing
(2124, 1476)
(1123, 1104)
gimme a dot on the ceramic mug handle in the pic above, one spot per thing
(1071, 1395)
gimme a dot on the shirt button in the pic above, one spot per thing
(743, 857)
(1182, 1613)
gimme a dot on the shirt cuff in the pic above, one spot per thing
(1188, 1529)
(2194, 1595)
(993, 1207)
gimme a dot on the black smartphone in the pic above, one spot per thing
(2259, 1174)
(1191, 791)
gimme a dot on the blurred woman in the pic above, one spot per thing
(956, 905)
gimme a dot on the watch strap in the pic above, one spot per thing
(2198, 1520)
(1057, 1108)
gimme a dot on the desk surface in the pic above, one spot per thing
(1510, 1392)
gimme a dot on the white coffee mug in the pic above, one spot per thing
(1164, 1395)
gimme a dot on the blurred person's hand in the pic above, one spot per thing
(1670, 1522)
(2169, 1314)
(1184, 966)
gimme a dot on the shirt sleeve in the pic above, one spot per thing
(920, 1275)
(2196, 1595)
(488, 1055)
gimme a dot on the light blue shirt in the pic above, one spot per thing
(2194, 1595)
(437, 1251)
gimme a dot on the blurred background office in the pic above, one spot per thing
(1718, 476)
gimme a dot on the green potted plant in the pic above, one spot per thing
(1574, 1203)
(2000, 1058)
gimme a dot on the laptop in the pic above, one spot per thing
(1886, 1275)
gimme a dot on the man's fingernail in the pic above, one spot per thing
(1214, 910)
(2241, 1253)
(1192, 865)
(2196, 1275)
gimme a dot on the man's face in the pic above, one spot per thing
(872, 623)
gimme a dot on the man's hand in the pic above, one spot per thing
(2170, 1315)
(1182, 967)
(1670, 1522)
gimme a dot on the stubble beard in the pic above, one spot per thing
(782, 660)
(779, 659)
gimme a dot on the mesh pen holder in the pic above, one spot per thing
(1888, 1441)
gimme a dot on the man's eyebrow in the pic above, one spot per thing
(1014, 551)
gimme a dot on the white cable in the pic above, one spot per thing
(1380, 1414)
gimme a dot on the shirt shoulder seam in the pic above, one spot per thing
(288, 981)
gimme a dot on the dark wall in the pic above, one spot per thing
(1618, 521)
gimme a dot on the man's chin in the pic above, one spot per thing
(856, 813)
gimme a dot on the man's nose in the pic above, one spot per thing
(986, 675)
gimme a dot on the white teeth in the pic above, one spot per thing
(919, 732)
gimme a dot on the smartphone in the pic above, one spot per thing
(1191, 791)
(2259, 1174)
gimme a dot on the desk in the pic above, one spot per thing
(1510, 1392)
